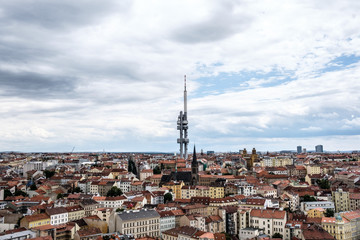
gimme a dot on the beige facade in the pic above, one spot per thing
(338, 227)
(139, 223)
(354, 199)
(272, 221)
(196, 221)
(75, 213)
(341, 200)
(313, 169)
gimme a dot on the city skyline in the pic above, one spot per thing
(269, 75)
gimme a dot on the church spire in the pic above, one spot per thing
(194, 156)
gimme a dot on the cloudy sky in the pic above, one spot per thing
(108, 75)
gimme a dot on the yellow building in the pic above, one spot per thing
(316, 213)
(175, 188)
(187, 192)
(216, 192)
(313, 169)
(75, 213)
(338, 227)
(36, 220)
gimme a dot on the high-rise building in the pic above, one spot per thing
(319, 149)
(299, 149)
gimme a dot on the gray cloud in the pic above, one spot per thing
(221, 24)
(34, 85)
(59, 14)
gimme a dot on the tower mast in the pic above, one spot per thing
(182, 126)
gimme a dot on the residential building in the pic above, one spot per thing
(111, 202)
(293, 229)
(338, 227)
(354, 199)
(354, 218)
(216, 191)
(167, 221)
(35, 220)
(249, 233)
(89, 205)
(75, 212)
(175, 187)
(57, 215)
(18, 234)
(215, 224)
(145, 173)
(341, 199)
(272, 221)
(193, 220)
(139, 223)
(316, 213)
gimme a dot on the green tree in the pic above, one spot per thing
(167, 197)
(49, 174)
(132, 166)
(33, 187)
(60, 195)
(113, 192)
(324, 184)
(162, 167)
(329, 212)
(277, 235)
(308, 198)
(7, 193)
(20, 193)
(157, 170)
(77, 190)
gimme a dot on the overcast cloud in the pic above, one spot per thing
(109, 74)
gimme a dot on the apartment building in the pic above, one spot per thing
(272, 221)
(354, 201)
(75, 212)
(338, 227)
(167, 221)
(342, 200)
(193, 220)
(35, 220)
(139, 223)
(57, 215)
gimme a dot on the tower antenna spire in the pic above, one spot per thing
(182, 126)
(185, 82)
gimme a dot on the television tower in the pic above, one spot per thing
(182, 126)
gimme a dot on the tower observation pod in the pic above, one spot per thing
(182, 126)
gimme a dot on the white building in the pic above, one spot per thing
(167, 221)
(306, 206)
(57, 215)
(111, 202)
(272, 221)
(244, 188)
(249, 233)
(139, 223)
(124, 185)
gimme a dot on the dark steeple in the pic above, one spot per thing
(194, 161)
(194, 169)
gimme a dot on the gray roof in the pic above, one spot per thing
(138, 214)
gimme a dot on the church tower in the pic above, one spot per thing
(194, 170)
